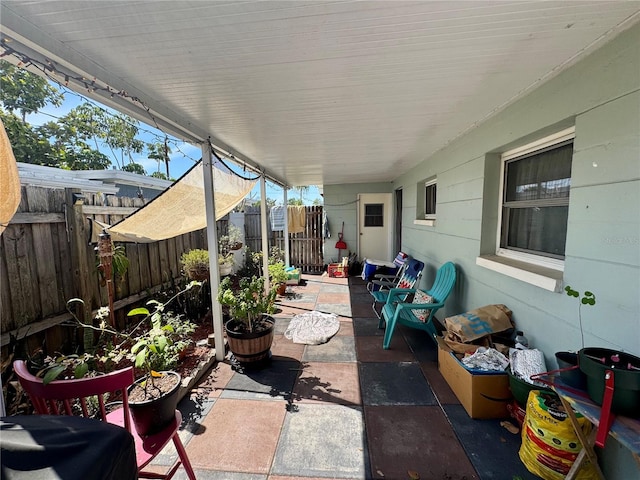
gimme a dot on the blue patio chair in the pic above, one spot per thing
(417, 315)
(410, 277)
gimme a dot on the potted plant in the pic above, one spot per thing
(153, 398)
(154, 346)
(568, 360)
(195, 264)
(231, 241)
(225, 263)
(278, 277)
(250, 328)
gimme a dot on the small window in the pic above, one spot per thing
(430, 187)
(535, 199)
(374, 215)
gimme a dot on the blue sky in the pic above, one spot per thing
(182, 157)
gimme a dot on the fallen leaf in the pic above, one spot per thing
(510, 427)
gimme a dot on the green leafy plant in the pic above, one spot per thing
(66, 366)
(587, 299)
(248, 301)
(225, 259)
(153, 344)
(159, 347)
(277, 273)
(231, 241)
(195, 264)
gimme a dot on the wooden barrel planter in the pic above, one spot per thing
(253, 347)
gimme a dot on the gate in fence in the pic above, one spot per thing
(305, 247)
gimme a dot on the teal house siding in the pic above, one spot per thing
(341, 205)
(600, 96)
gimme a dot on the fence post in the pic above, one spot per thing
(79, 260)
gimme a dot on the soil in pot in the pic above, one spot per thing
(251, 347)
(569, 371)
(153, 407)
(596, 362)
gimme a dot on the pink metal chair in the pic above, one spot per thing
(66, 397)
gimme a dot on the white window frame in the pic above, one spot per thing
(432, 182)
(549, 141)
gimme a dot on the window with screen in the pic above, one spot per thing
(430, 188)
(535, 200)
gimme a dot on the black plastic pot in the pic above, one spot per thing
(570, 373)
(151, 416)
(596, 362)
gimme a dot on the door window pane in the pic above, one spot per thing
(373, 215)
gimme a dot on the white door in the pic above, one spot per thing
(375, 226)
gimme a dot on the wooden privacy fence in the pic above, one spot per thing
(45, 260)
(305, 247)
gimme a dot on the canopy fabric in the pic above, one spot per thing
(9, 181)
(181, 208)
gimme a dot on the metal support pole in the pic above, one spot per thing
(287, 253)
(263, 226)
(212, 245)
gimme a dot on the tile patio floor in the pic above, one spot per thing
(346, 409)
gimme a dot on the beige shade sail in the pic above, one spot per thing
(9, 181)
(181, 208)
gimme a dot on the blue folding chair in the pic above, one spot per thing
(410, 277)
(387, 279)
(373, 268)
(417, 315)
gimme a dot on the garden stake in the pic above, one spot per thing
(106, 258)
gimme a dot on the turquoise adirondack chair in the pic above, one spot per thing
(410, 277)
(395, 310)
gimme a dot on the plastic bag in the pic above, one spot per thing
(549, 443)
(488, 359)
(312, 328)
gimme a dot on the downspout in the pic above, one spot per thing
(263, 225)
(212, 245)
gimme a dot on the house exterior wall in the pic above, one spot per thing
(600, 95)
(340, 205)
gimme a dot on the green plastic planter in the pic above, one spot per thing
(520, 389)
(595, 362)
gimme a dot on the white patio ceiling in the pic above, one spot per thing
(315, 92)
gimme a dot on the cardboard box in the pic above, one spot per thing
(483, 395)
(293, 277)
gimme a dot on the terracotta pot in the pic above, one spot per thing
(236, 246)
(250, 348)
(199, 274)
(151, 416)
(282, 289)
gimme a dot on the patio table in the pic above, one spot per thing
(38, 447)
